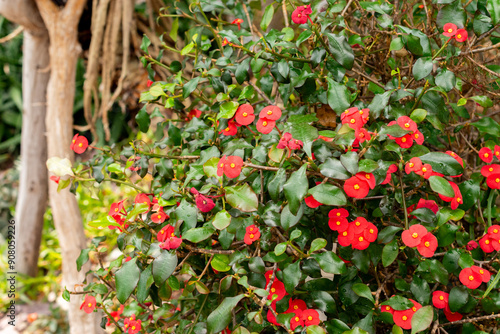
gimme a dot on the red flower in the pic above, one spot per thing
(493, 181)
(456, 156)
(371, 232)
(168, 239)
(406, 141)
(339, 224)
(159, 217)
(392, 169)
(88, 304)
(245, 114)
(418, 137)
(301, 14)
(296, 320)
(461, 35)
(311, 202)
(426, 171)
(471, 245)
(133, 326)
(268, 275)
(496, 151)
(362, 134)
(407, 123)
(204, 203)
(452, 316)
(345, 237)
(356, 187)
(338, 213)
(355, 121)
(55, 178)
(296, 305)
(310, 317)
(486, 244)
(232, 167)
(295, 144)
(368, 177)
(486, 154)
(386, 308)
(270, 112)
(115, 315)
(149, 83)
(252, 234)
(116, 208)
(79, 144)
(428, 245)
(494, 232)
(450, 29)
(485, 274)
(265, 125)
(238, 22)
(414, 235)
(403, 318)
(220, 166)
(456, 200)
(143, 199)
(277, 291)
(360, 242)
(270, 315)
(226, 42)
(359, 225)
(470, 278)
(230, 130)
(440, 299)
(283, 143)
(490, 169)
(192, 114)
(414, 165)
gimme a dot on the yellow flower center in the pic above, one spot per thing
(459, 36)
(233, 165)
(89, 305)
(360, 239)
(487, 242)
(407, 125)
(403, 140)
(273, 289)
(338, 214)
(414, 309)
(424, 169)
(481, 271)
(471, 278)
(361, 134)
(459, 200)
(295, 307)
(221, 165)
(338, 223)
(371, 231)
(226, 129)
(387, 308)
(344, 233)
(356, 186)
(251, 237)
(495, 231)
(411, 165)
(427, 244)
(416, 135)
(80, 145)
(357, 223)
(244, 114)
(497, 180)
(159, 216)
(297, 319)
(173, 235)
(309, 318)
(361, 112)
(415, 235)
(486, 155)
(162, 232)
(133, 327)
(264, 123)
(367, 176)
(405, 318)
(269, 112)
(251, 229)
(116, 209)
(490, 169)
(73, 141)
(353, 121)
(441, 298)
(450, 30)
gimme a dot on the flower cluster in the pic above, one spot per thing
(492, 175)
(168, 239)
(418, 236)
(451, 30)
(230, 166)
(473, 277)
(415, 165)
(440, 300)
(288, 142)
(357, 234)
(359, 185)
(406, 141)
(252, 234)
(301, 14)
(132, 325)
(203, 203)
(115, 315)
(79, 144)
(245, 115)
(402, 318)
(491, 240)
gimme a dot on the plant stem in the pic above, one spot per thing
(490, 201)
(198, 315)
(115, 181)
(420, 96)
(403, 199)
(442, 48)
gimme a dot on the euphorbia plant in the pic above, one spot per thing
(310, 186)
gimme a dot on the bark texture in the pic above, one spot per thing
(62, 25)
(33, 187)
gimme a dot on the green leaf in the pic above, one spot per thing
(338, 96)
(295, 234)
(397, 330)
(393, 130)
(275, 186)
(126, 280)
(446, 80)
(242, 197)
(315, 329)
(350, 161)
(66, 295)
(488, 125)
(291, 276)
(185, 50)
(442, 163)
(296, 188)
(356, 330)
(301, 130)
(241, 73)
(280, 248)
(333, 168)
(420, 290)
(221, 316)
(198, 234)
(453, 12)
(220, 262)
(144, 284)
(396, 44)
(379, 102)
(484, 101)
(317, 244)
(187, 212)
(367, 165)
(221, 220)
(493, 7)
(422, 68)
(163, 266)
(418, 115)
(82, 259)
(341, 50)
(257, 265)
(145, 44)
(324, 301)
(190, 86)
(492, 285)
(398, 303)
(304, 36)
(364, 291)
(227, 110)
(143, 120)
(441, 186)
(422, 319)
(330, 262)
(390, 253)
(328, 194)
(287, 219)
(459, 296)
(267, 17)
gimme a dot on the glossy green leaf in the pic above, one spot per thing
(317, 244)
(190, 86)
(338, 96)
(446, 80)
(441, 186)
(221, 220)
(220, 262)
(127, 278)
(364, 291)
(333, 168)
(296, 189)
(82, 258)
(390, 253)
(422, 68)
(291, 276)
(163, 266)
(242, 197)
(422, 319)
(198, 234)
(330, 262)
(418, 115)
(341, 50)
(302, 130)
(442, 163)
(267, 17)
(222, 315)
(328, 194)
(488, 125)
(227, 109)
(459, 296)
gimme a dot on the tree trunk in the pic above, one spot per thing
(32, 198)
(62, 24)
